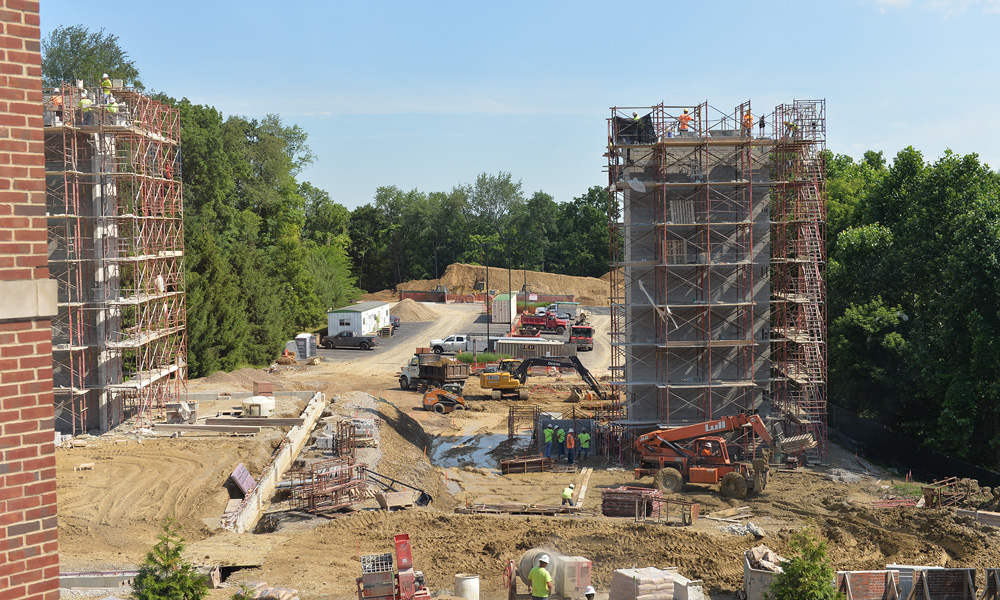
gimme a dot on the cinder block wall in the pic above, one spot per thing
(29, 559)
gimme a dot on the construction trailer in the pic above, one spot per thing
(504, 308)
(116, 247)
(718, 263)
(531, 347)
(365, 318)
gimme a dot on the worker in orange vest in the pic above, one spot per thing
(683, 122)
(570, 446)
(747, 124)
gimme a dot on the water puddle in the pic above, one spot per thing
(470, 450)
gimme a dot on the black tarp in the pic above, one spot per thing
(630, 131)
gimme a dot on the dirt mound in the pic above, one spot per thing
(461, 278)
(238, 379)
(409, 310)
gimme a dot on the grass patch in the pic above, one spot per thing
(467, 357)
(907, 489)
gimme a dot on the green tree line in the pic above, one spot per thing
(914, 282)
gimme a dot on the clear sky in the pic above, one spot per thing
(429, 94)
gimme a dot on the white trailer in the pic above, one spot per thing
(364, 318)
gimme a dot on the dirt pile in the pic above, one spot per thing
(410, 311)
(461, 278)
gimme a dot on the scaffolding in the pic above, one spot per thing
(798, 263)
(115, 237)
(690, 202)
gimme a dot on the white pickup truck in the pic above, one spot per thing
(459, 343)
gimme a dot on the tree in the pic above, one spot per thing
(165, 575)
(492, 200)
(807, 575)
(75, 52)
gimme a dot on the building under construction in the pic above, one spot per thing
(115, 245)
(718, 261)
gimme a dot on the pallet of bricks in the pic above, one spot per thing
(625, 501)
(641, 584)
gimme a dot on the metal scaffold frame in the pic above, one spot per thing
(116, 243)
(798, 249)
(700, 277)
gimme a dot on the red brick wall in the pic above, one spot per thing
(945, 584)
(869, 585)
(29, 559)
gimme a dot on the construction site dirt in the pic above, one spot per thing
(109, 515)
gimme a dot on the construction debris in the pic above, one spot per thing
(763, 558)
(518, 509)
(262, 591)
(743, 529)
(946, 492)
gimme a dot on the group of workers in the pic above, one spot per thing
(566, 442)
(105, 100)
(684, 123)
(541, 581)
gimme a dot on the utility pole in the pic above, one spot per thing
(489, 308)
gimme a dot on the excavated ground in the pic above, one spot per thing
(109, 516)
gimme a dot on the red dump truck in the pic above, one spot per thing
(547, 322)
(582, 336)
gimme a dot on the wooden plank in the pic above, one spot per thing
(167, 427)
(729, 512)
(258, 421)
(587, 472)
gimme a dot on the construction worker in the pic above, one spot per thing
(540, 578)
(105, 87)
(747, 124)
(84, 105)
(706, 450)
(57, 103)
(683, 122)
(547, 437)
(570, 446)
(584, 438)
(635, 117)
(561, 440)
(590, 592)
(567, 495)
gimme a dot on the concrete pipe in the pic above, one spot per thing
(529, 561)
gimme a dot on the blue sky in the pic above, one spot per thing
(427, 95)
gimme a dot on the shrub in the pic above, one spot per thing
(165, 575)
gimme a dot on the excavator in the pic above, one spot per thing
(708, 458)
(508, 379)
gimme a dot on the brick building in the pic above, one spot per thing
(29, 559)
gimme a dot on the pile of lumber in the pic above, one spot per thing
(623, 500)
(527, 464)
(518, 509)
(641, 584)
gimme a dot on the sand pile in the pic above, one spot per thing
(461, 278)
(409, 310)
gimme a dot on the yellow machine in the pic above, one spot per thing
(509, 377)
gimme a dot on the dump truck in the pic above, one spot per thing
(582, 336)
(425, 371)
(699, 454)
(545, 323)
(510, 375)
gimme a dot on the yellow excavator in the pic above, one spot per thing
(510, 375)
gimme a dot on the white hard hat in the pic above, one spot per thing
(55, 90)
(105, 76)
(590, 590)
(572, 485)
(571, 430)
(83, 94)
(543, 558)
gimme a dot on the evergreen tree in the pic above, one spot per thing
(165, 575)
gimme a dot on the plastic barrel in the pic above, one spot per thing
(467, 586)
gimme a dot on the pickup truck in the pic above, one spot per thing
(562, 310)
(350, 339)
(432, 370)
(549, 322)
(459, 343)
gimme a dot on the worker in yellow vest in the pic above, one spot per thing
(547, 437)
(561, 440)
(567, 495)
(584, 439)
(84, 105)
